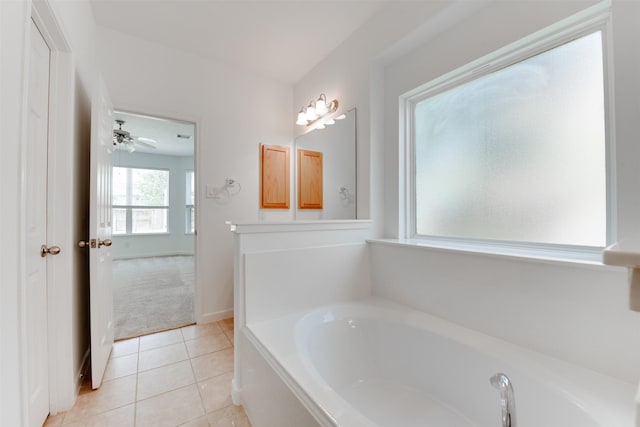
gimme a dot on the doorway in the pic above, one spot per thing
(153, 224)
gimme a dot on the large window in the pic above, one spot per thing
(190, 203)
(516, 153)
(140, 201)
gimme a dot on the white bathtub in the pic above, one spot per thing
(374, 363)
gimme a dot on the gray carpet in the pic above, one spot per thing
(152, 294)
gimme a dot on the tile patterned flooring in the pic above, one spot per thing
(180, 377)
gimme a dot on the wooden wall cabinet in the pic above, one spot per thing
(274, 177)
(309, 179)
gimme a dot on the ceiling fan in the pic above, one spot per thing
(128, 141)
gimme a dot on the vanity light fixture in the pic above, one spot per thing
(316, 111)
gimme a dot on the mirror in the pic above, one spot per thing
(336, 146)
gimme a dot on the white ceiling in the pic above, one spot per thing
(163, 131)
(282, 40)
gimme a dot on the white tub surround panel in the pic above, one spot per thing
(259, 237)
(267, 398)
(573, 311)
(282, 280)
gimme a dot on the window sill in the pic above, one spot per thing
(586, 258)
(141, 234)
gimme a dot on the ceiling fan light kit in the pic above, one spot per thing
(128, 141)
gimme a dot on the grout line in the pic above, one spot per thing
(135, 396)
(195, 379)
(137, 372)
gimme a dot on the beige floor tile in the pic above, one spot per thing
(230, 416)
(195, 331)
(163, 379)
(111, 395)
(213, 364)
(85, 386)
(121, 417)
(230, 336)
(125, 347)
(119, 367)
(170, 409)
(54, 420)
(200, 422)
(207, 344)
(162, 356)
(226, 324)
(160, 339)
(216, 392)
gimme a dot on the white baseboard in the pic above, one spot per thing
(215, 316)
(152, 255)
(236, 392)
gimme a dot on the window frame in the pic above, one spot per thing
(129, 208)
(189, 223)
(595, 18)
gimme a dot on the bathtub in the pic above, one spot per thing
(376, 363)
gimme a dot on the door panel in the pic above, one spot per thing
(101, 289)
(35, 219)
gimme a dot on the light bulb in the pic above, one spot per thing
(321, 106)
(311, 112)
(302, 118)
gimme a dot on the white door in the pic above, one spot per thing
(35, 218)
(101, 288)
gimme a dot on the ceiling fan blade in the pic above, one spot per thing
(144, 144)
(144, 139)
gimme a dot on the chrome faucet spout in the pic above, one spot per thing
(507, 401)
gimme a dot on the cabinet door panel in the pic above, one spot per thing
(309, 179)
(274, 177)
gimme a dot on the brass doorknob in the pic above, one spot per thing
(105, 242)
(94, 243)
(51, 250)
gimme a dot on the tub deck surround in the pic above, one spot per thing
(252, 239)
(313, 353)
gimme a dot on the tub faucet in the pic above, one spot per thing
(507, 402)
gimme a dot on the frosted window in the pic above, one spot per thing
(517, 154)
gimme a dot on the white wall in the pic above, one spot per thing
(75, 21)
(234, 112)
(176, 242)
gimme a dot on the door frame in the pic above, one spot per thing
(152, 111)
(60, 164)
